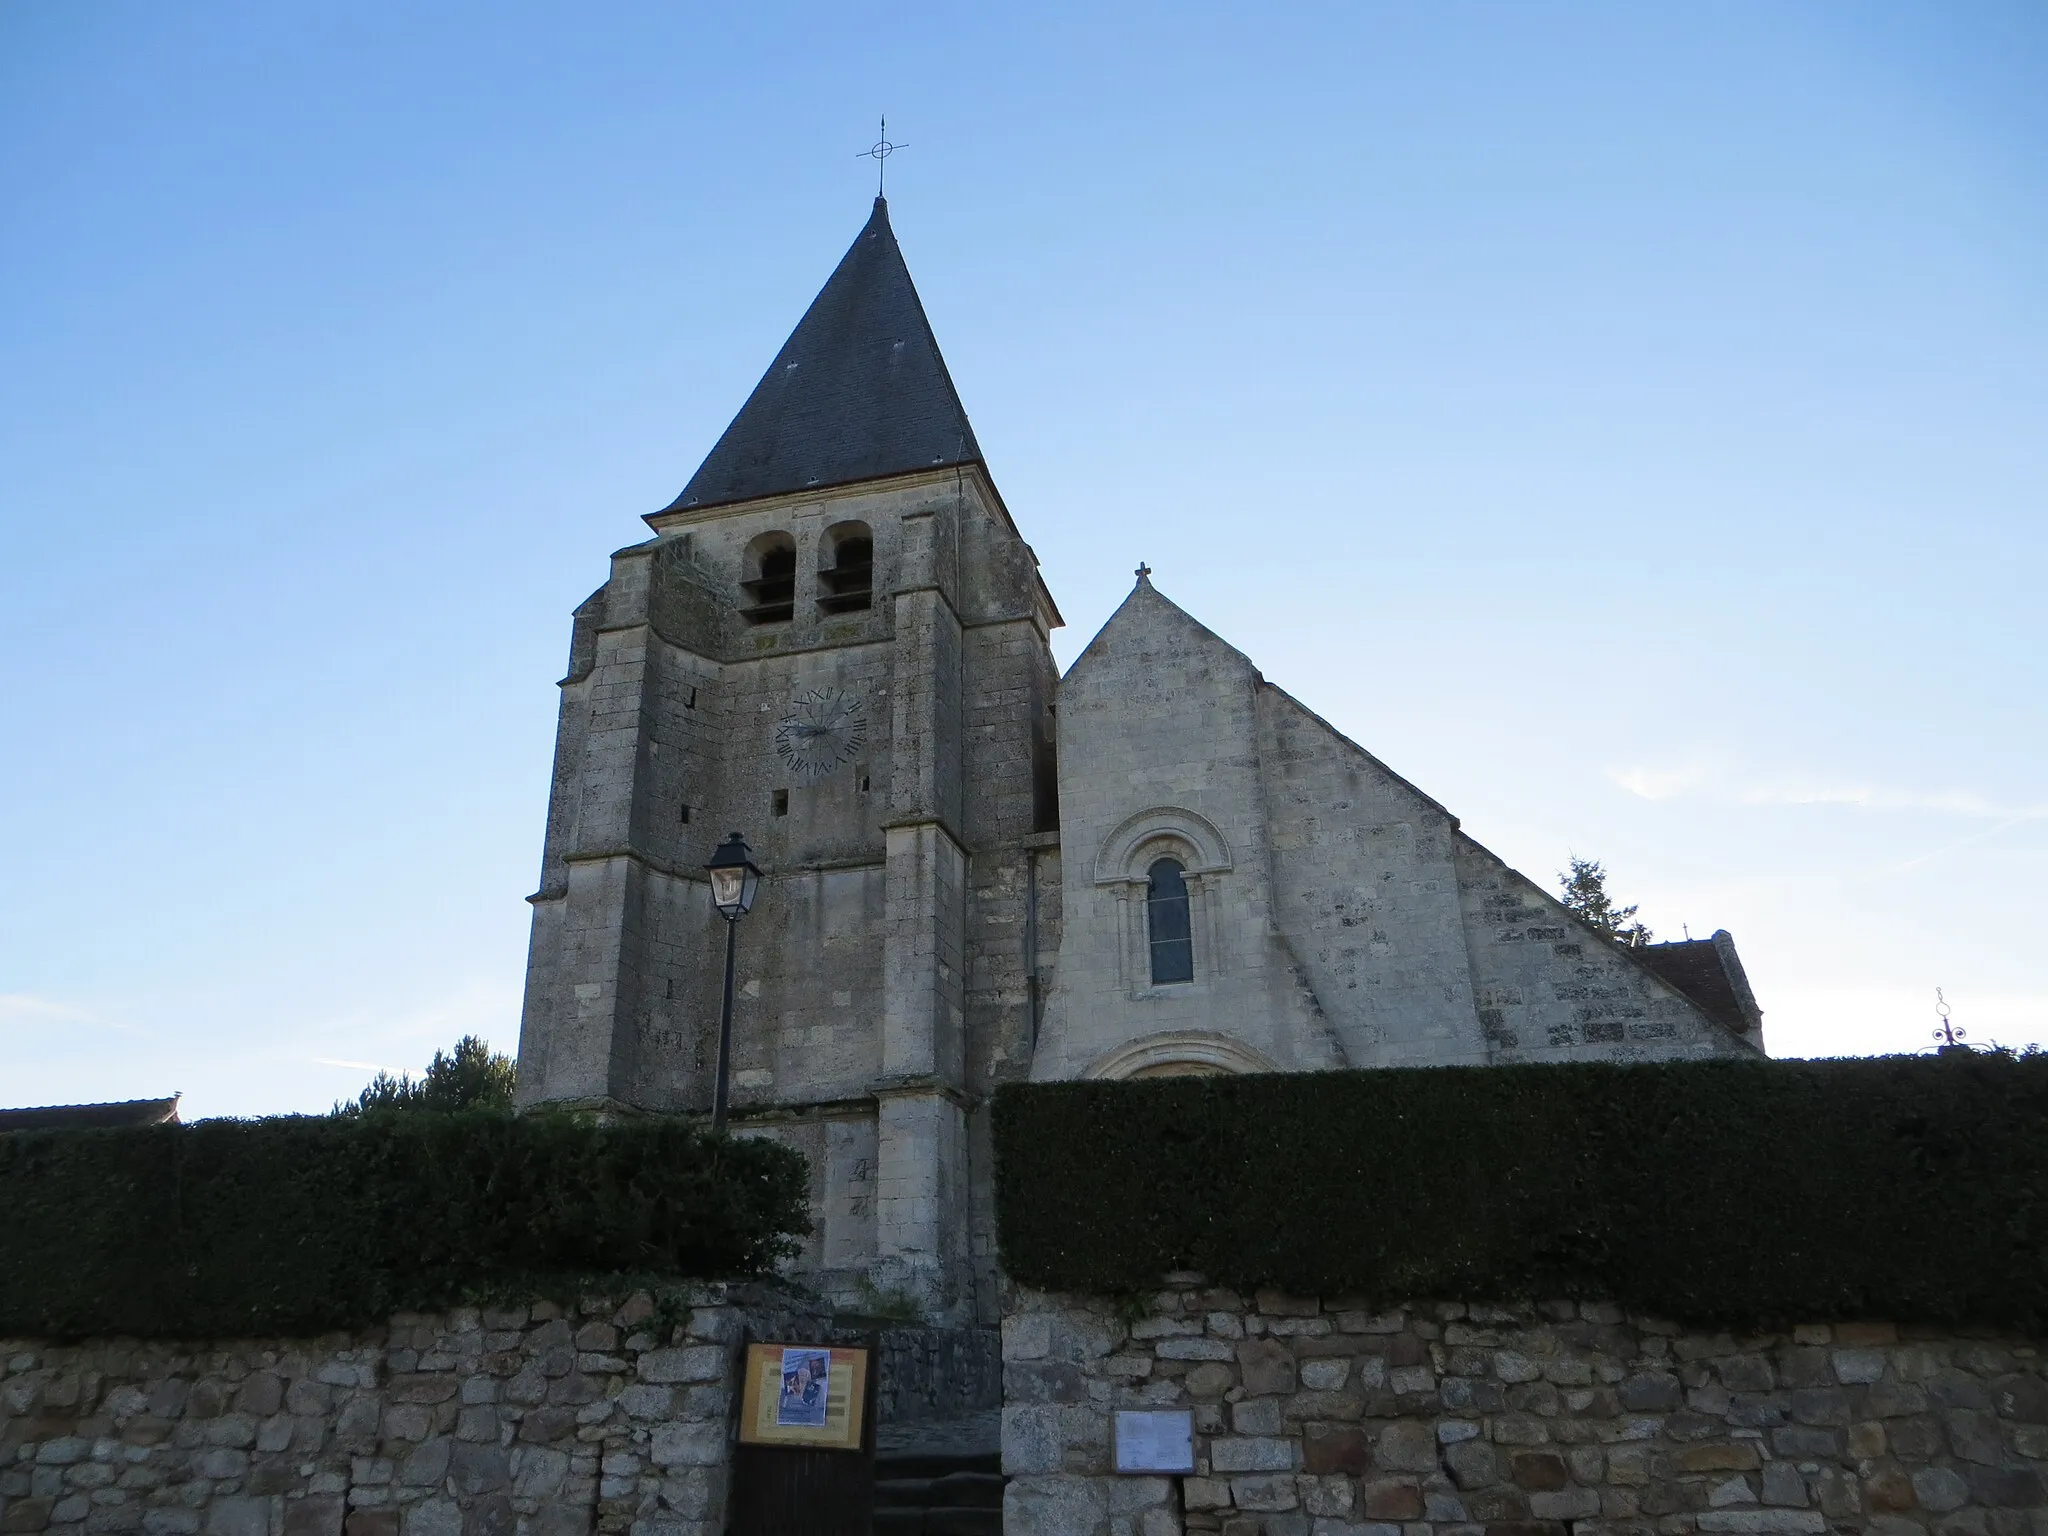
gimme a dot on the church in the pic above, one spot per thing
(976, 869)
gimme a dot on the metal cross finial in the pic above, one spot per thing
(1144, 570)
(880, 154)
(1948, 1034)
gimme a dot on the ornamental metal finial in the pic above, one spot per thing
(1948, 1034)
(880, 154)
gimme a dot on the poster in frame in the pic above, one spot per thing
(811, 1396)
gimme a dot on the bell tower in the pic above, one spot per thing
(836, 643)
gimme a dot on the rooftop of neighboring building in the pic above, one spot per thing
(91, 1117)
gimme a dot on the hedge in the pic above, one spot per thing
(298, 1225)
(1913, 1189)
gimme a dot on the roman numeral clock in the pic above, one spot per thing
(824, 728)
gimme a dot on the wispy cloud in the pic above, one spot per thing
(21, 1006)
(1710, 782)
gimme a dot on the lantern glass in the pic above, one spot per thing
(734, 879)
(726, 888)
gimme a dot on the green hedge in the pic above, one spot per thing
(296, 1225)
(1907, 1188)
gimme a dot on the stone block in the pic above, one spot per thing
(1973, 1435)
(318, 1515)
(1031, 1441)
(491, 1515)
(238, 1516)
(433, 1517)
(1262, 1494)
(1940, 1489)
(1801, 1443)
(1198, 1349)
(479, 1469)
(1053, 1506)
(1053, 1381)
(1783, 1485)
(1651, 1392)
(1250, 1453)
(437, 1387)
(1537, 1470)
(1329, 1450)
(1720, 1456)
(1325, 1405)
(1472, 1464)
(1858, 1367)
(1256, 1416)
(538, 1471)
(688, 1445)
(1565, 1504)
(1392, 1498)
(1406, 1446)
(1745, 1373)
(1324, 1375)
(1763, 1522)
(2007, 1487)
(1266, 1367)
(1208, 1380)
(695, 1362)
(1888, 1490)
(2024, 1398)
(26, 1514)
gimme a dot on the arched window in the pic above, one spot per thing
(770, 584)
(846, 576)
(1166, 920)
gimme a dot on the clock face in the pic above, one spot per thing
(826, 727)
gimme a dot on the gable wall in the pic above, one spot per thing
(1366, 895)
(1160, 714)
(1549, 989)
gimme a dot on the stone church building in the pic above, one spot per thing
(976, 869)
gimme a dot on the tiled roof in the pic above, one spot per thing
(857, 392)
(1708, 972)
(91, 1117)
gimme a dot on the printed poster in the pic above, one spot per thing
(806, 1395)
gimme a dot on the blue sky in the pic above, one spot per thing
(1625, 420)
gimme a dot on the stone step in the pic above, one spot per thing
(900, 1467)
(956, 1490)
(940, 1521)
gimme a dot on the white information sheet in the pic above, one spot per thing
(1154, 1441)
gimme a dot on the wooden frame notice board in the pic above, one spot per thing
(809, 1396)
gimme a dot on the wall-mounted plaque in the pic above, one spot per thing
(804, 1395)
(1152, 1441)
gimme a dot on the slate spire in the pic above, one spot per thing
(857, 392)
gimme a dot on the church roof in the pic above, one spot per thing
(857, 392)
(1709, 973)
(91, 1117)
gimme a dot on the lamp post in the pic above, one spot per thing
(734, 879)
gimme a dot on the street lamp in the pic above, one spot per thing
(734, 879)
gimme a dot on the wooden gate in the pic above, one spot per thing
(797, 1490)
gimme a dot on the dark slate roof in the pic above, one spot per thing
(858, 391)
(1708, 972)
(91, 1117)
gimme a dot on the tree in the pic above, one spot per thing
(469, 1077)
(1585, 895)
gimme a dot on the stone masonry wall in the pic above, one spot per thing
(605, 1417)
(1340, 1419)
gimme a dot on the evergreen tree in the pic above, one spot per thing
(1584, 887)
(469, 1077)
